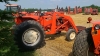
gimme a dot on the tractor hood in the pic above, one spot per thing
(23, 12)
(29, 15)
(95, 22)
(92, 21)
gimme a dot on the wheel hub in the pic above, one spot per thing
(30, 36)
(72, 35)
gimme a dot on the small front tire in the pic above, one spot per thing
(71, 34)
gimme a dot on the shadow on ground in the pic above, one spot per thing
(52, 37)
(70, 54)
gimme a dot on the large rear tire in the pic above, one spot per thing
(82, 43)
(29, 35)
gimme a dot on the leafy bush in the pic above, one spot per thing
(7, 46)
(7, 15)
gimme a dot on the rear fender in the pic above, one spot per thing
(95, 35)
(20, 20)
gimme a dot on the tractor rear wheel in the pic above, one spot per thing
(82, 42)
(70, 35)
(29, 35)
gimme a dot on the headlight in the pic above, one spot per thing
(97, 27)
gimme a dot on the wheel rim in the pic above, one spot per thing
(72, 35)
(30, 37)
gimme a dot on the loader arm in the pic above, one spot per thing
(54, 27)
(70, 20)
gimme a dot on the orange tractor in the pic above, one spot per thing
(87, 42)
(94, 12)
(31, 28)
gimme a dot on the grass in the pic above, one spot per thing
(7, 47)
(56, 45)
(81, 20)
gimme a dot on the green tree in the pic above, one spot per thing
(4, 14)
(78, 6)
(40, 10)
(57, 7)
(6, 1)
(66, 9)
(62, 9)
(92, 6)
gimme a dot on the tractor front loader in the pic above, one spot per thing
(31, 28)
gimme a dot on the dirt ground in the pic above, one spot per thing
(56, 45)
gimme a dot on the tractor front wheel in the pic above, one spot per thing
(71, 34)
(29, 35)
(82, 43)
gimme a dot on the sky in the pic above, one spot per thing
(44, 4)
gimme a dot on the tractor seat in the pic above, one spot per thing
(80, 28)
